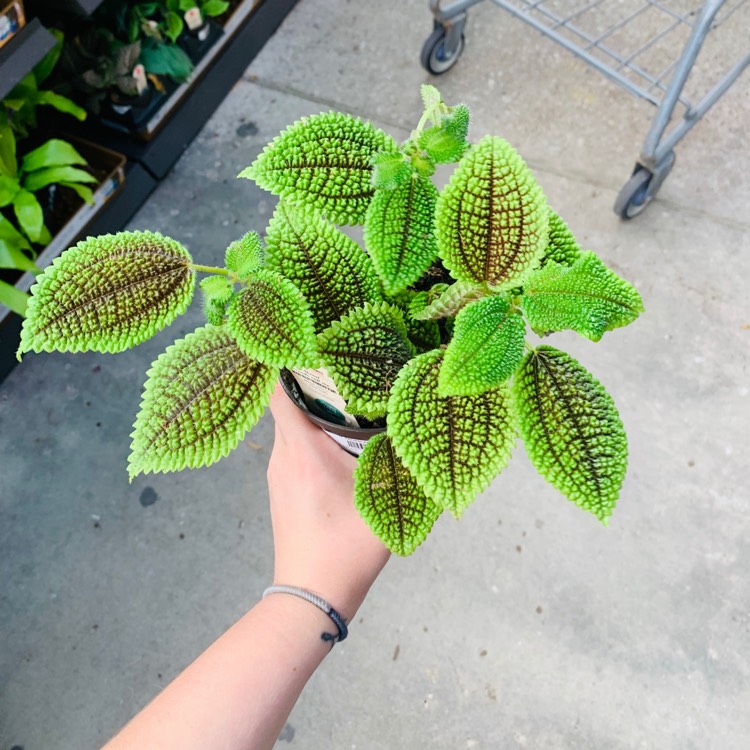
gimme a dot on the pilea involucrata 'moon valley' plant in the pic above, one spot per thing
(422, 331)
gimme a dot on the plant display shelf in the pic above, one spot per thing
(637, 44)
(181, 117)
(21, 53)
(247, 30)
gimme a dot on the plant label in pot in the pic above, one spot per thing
(424, 327)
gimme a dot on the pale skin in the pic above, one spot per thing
(238, 694)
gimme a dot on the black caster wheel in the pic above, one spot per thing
(436, 57)
(633, 197)
(642, 187)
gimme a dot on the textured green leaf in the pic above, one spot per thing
(218, 288)
(29, 214)
(453, 446)
(389, 499)
(272, 323)
(245, 256)
(53, 153)
(201, 397)
(43, 177)
(491, 218)
(562, 245)
(423, 334)
(363, 353)
(217, 291)
(442, 146)
(571, 429)
(108, 294)
(486, 348)
(329, 268)
(587, 298)
(451, 301)
(324, 161)
(390, 169)
(399, 232)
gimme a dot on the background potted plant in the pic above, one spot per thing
(425, 329)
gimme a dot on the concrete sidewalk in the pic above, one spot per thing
(526, 624)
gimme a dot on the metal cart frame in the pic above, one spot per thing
(665, 89)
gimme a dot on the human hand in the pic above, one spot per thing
(321, 542)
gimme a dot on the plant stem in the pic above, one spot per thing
(210, 269)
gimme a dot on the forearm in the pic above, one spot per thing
(239, 692)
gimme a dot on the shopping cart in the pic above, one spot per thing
(594, 30)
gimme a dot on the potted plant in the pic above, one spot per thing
(192, 20)
(39, 174)
(424, 329)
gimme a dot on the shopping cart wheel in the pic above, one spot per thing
(437, 57)
(642, 188)
(633, 197)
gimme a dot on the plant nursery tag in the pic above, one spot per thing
(193, 18)
(350, 445)
(139, 73)
(322, 398)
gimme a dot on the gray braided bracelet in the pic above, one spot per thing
(320, 603)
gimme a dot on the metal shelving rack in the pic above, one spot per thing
(630, 41)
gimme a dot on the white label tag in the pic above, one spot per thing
(193, 18)
(348, 444)
(139, 73)
(322, 398)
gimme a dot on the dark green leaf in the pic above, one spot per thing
(363, 353)
(329, 268)
(108, 294)
(166, 59)
(453, 446)
(389, 499)
(323, 161)
(587, 298)
(61, 104)
(53, 153)
(571, 429)
(12, 298)
(29, 214)
(8, 164)
(399, 232)
(491, 219)
(9, 187)
(46, 65)
(42, 177)
(201, 398)
(212, 8)
(174, 24)
(85, 193)
(486, 348)
(272, 323)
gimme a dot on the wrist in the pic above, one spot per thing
(338, 621)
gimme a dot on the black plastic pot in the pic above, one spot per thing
(350, 439)
(131, 114)
(197, 43)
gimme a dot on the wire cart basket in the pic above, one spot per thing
(596, 30)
